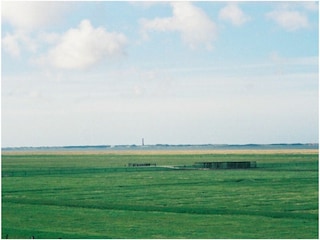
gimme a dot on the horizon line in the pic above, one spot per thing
(160, 144)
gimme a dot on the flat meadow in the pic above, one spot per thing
(96, 195)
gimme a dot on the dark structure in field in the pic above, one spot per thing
(141, 164)
(226, 165)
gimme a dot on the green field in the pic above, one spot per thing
(98, 196)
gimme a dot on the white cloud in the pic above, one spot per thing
(191, 22)
(29, 15)
(49, 38)
(26, 18)
(290, 20)
(233, 14)
(13, 43)
(84, 46)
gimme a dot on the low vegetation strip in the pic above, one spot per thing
(148, 152)
(70, 171)
(302, 166)
(29, 165)
(181, 210)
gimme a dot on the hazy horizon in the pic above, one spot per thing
(172, 145)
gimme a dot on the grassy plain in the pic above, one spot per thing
(90, 195)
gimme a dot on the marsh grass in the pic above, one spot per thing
(98, 196)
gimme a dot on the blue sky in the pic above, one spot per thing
(87, 73)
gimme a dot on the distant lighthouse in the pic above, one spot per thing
(142, 141)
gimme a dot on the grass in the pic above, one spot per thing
(97, 196)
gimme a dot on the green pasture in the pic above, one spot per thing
(98, 196)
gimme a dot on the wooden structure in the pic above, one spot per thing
(226, 165)
(141, 164)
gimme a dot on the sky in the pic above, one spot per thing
(109, 73)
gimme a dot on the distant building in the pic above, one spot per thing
(226, 165)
